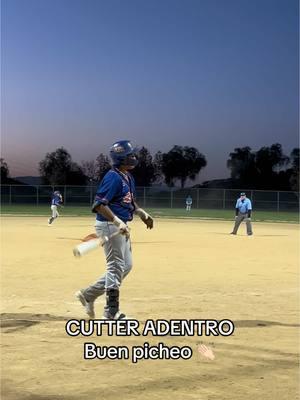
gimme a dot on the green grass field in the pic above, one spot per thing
(44, 210)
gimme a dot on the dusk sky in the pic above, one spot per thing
(214, 74)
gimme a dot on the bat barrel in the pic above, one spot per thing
(86, 247)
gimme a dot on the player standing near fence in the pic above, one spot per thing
(115, 205)
(56, 201)
(188, 202)
(243, 209)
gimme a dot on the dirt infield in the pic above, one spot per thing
(182, 270)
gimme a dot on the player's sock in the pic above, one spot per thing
(112, 303)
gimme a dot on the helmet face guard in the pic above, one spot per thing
(122, 153)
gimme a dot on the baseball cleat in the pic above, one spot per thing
(116, 317)
(232, 233)
(88, 305)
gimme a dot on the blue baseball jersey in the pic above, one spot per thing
(243, 205)
(189, 201)
(56, 200)
(117, 191)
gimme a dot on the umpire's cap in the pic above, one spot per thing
(243, 194)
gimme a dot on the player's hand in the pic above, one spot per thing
(145, 217)
(148, 222)
(123, 228)
(248, 219)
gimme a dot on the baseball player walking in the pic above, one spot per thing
(114, 205)
(188, 202)
(243, 210)
(56, 201)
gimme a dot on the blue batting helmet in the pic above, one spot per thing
(120, 153)
(57, 192)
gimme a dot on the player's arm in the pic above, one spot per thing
(145, 217)
(106, 192)
(237, 209)
(106, 212)
(249, 209)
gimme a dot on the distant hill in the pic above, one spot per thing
(218, 184)
(11, 181)
(29, 180)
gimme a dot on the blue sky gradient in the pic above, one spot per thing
(212, 74)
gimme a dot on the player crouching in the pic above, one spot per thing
(56, 201)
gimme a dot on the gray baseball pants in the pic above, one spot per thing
(240, 218)
(118, 261)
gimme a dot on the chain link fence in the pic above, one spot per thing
(154, 197)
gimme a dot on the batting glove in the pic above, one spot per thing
(123, 228)
(145, 217)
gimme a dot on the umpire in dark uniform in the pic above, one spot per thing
(243, 209)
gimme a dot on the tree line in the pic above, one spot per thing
(267, 169)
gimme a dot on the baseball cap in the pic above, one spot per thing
(243, 194)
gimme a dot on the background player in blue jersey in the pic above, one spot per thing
(115, 205)
(188, 202)
(56, 201)
(243, 209)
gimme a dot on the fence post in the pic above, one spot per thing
(144, 197)
(278, 202)
(251, 196)
(197, 197)
(171, 198)
(65, 194)
(224, 197)
(9, 194)
(37, 195)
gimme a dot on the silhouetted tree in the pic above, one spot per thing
(89, 169)
(294, 178)
(268, 161)
(261, 169)
(182, 163)
(96, 169)
(102, 166)
(144, 172)
(157, 163)
(242, 166)
(76, 176)
(4, 171)
(57, 168)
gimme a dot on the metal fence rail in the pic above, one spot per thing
(154, 197)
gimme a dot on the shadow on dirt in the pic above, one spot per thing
(260, 324)
(13, 322)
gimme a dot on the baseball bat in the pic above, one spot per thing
(85, 247)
